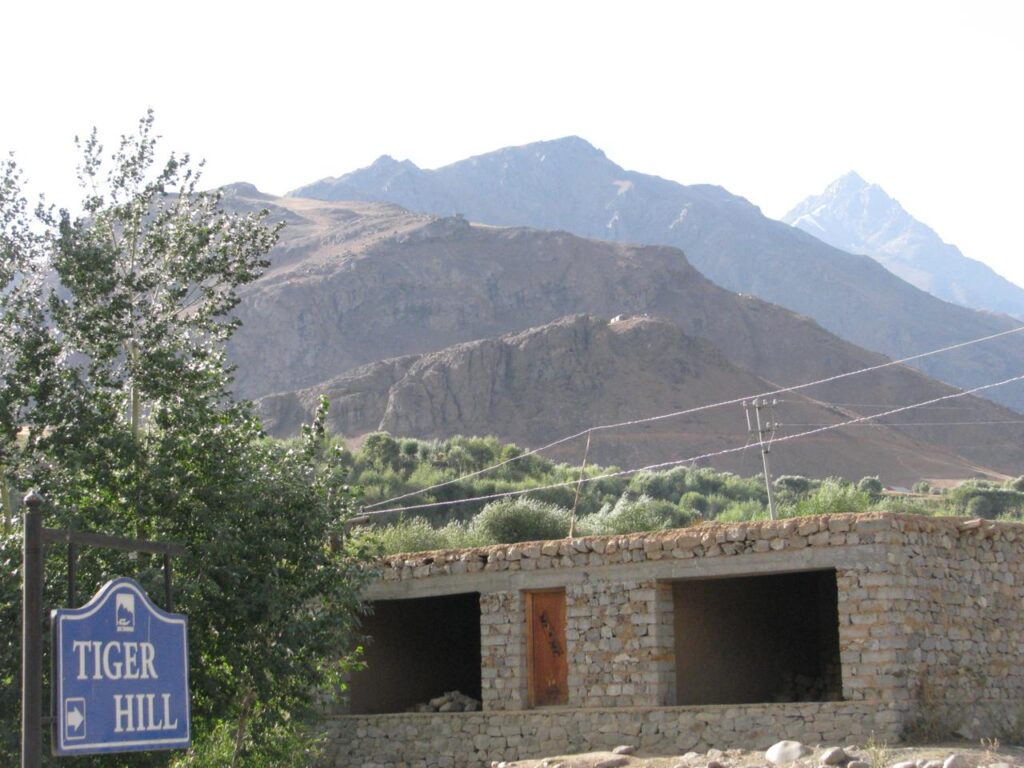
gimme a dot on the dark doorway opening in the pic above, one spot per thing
(755, 639)
(418, 649)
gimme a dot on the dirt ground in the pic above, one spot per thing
(877, 756)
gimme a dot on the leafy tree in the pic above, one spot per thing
(871, 486)
(381, 451)
(794, 484)
(980, 506)
(116, 406)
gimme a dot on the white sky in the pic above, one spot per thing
(771, 100)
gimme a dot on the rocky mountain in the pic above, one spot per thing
(536, 386)
(567, 184)
(352, 284)
(856, 216)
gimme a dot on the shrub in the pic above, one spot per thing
(871, 486)
(795, 484)
(521, 519)
(1000, 501)
(743, 488)
(412, 535)
(416, 534)
(742, 511)
(922, 486)
(1017, 484)
(692, 501)
(668, 486)
(717, 503)
(834, 496)
(980, 506)
(704, 480)
(633, 516)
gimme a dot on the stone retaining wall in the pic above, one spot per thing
(472, 740)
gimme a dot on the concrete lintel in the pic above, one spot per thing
(785, 561)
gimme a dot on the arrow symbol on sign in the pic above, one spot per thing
(75, 718)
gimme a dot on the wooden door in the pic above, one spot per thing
(547, 665)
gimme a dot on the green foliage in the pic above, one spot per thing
(668, 486)
(418, 535)
(10, 644)
(1016, 484)
(980, 506)
(794, 484)
(693, 501)
(521, 519)
(871, 486)
(115, 406)
(741, 512)
(283, 748)
(381, 451)
(833, 497)
(922, 486)
(630, 515)
(978, 498)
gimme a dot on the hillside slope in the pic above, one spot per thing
(355, 283)
(539, 385)
(568, 184)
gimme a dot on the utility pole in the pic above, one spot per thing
(765, 427)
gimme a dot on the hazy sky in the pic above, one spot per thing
(771, 100)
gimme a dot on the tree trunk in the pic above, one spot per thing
(243, 722)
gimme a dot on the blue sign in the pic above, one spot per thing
(120, 674)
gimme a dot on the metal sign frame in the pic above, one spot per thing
(36, 537)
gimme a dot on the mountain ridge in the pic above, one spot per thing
(723, 235)
(857, 216)
(351, 284)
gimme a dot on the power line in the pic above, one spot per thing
(913, 423)
(711, 455)
(634, 422)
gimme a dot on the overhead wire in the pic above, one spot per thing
(710, 455)
(913, 423)
(685, 412)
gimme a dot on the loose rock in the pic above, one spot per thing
(614, 762)
(955, 761)
(786, 752)
(624, 749)
(834, 756)
(451, 701)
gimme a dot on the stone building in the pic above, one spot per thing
(821, 629)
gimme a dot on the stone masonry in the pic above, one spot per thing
(931, 630)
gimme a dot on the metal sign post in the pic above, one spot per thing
(32, 634)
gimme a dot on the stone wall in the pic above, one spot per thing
(503, 651)
(963, 626)
(619, 636)
(931, 630)
(470, 740)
